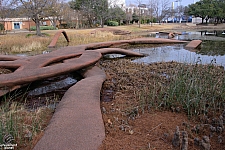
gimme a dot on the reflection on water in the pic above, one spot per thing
(176, 53)
(46, 92)
(69, 81)
(113, 56)
(192, 35)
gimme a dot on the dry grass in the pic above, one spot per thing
(27, 127)
(22, 125)
(167, 85)
(18, 43)
(141, 90)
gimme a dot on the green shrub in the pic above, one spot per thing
(63, 26)
(33, 28)
(2, 27)
(30, 35)
(113, 23)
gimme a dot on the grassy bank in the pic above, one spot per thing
(27, 42)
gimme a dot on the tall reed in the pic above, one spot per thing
(21, 125)
(197, 88)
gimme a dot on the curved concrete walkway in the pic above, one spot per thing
(77, 122)
(67, 59)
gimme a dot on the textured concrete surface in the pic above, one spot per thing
(55, 38)
(193, 44)
(67, 59)
(77, 122)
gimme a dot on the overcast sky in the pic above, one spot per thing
(183, 2)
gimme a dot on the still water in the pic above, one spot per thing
(177, 52)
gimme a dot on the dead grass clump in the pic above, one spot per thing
(21, 125)
(15, 43)
(27, 47)
(79, 39)
(103, 34)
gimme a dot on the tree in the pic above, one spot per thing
(164, 11)
(128, 16)
(5, 9)
(159, 9)
(85, 6)
(205, 9)
(54, 11)
(117, 14)
(64, 13)
(93, 10)
(219, 11)
(151, 6)
(101, 10)
(37, 9)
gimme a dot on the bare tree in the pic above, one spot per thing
(65, 13)
(165, 9)
(54, 11)
(151, 7)
(159, 9)
(5, 8)
(128, 16)
(36, 10)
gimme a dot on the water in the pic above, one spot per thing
(212, 49)
(192, 35)
(53, 86)
(177, 52)
(47, 92)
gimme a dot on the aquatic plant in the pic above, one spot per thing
(20, 126)
(198, 89)
(195, 88)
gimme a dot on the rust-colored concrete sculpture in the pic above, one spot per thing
(55, 39)
(63, 60)
(77, 122)
(193, 44)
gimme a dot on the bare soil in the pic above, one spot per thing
(151, 129)
(128, 126)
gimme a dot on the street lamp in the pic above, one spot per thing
(140, 6)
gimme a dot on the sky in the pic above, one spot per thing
(183, 2)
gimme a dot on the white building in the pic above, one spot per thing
(119, 3)
(135, 9)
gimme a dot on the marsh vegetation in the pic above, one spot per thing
(148, 100)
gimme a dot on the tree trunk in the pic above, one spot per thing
(54, 22)
(38, 30)
(102, 23)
